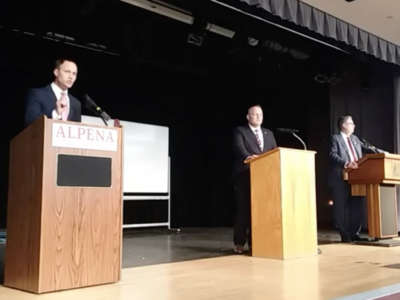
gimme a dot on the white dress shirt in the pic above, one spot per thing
(259, 134)
(57, 91)
(344, 136)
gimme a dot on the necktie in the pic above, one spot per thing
(258, 138)
(352, 148)
(64, 102)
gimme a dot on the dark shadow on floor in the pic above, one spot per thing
(333, 237)
(155, 246)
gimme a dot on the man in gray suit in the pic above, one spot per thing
(248, 142)
(345, 150)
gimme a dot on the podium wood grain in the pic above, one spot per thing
(22, 256)
(59, 237)
(283, 204)
(377, 168)
(375, 178)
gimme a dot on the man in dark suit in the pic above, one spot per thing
(53, 100)
(248, 142)
(345, 150)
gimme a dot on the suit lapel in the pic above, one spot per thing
(49, 100)
(265, 137)
(357, 146)
(344, 146)
(51, 94)
(71, 108)
(253, 140)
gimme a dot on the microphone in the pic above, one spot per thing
(289, 130)
(371, 147)
(366, 143)
(293, 132)
(91, 105)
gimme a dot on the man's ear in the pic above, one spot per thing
(55, 72)
(247, 117)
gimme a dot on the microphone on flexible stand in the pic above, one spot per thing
(91, 105)
(372, 147)
(293, 132)
(287, 130)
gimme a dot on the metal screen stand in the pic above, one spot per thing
(153, 198)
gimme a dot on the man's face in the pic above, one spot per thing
(255, 116)
(65, 74)
(348, 126)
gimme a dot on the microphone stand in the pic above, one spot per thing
(372, 147)
(91, 105)
(104, 119)
(301, 141)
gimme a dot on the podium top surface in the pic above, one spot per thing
(376, 168)
(278, 149)
(379, 156)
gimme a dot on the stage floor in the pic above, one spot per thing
(160, 245)
(340, 270)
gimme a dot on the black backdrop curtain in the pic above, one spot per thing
(372, 97)
(328, 26)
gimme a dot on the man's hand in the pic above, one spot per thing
(61, 105)
(251, 157)
(351, 165)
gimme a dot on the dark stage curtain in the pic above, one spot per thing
(372, 97)
(329, 26)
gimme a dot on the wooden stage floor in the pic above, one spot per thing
(341, 270)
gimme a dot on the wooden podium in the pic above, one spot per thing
(283, 204)
(64, 207)
(376, 177)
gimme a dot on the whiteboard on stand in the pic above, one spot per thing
(145, 156)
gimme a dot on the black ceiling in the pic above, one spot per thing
(104, 21)
(133, 32)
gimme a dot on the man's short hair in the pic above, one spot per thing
(343, 119)
(60, 61)
(254, 105)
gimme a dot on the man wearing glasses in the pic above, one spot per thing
(345, 151)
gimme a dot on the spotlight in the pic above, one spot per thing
(331, 79)
(252, 41)
(321, 78)
(195, 39)
(198, 32)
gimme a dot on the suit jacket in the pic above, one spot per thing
(339, 155)
(245, 144)
(42, 101)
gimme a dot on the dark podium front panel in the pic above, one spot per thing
(85, 171)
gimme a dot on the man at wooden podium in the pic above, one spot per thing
(248, 142)
(345, 150)
(53, 100)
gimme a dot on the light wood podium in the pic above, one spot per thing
(62, 234)
(375, 178)
(283, 204)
